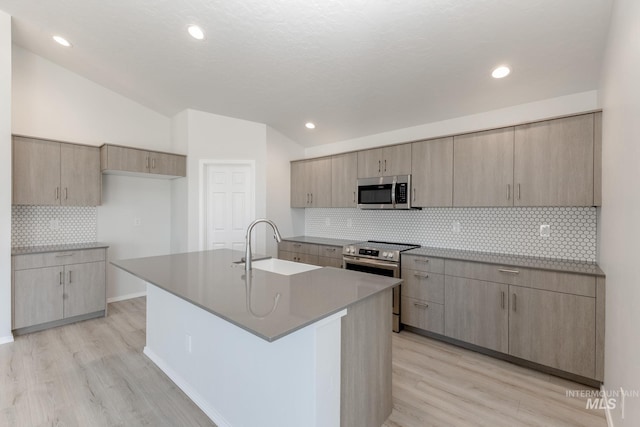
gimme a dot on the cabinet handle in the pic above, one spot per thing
(354, 197)
(421, 276)
(417, 304)
(502, 299)
(414, 194)
(66, 193)
(518, 191)
(296, 245)
(69, 276)
(60, 278)
(508, 191)
(385, 165)
(311, 198)
(153, 163)
(57, 193)
(331, 249)
(379, 167)
(514, 303)
(146, 159)
(64, 255)
(504, 270)
(424, 260)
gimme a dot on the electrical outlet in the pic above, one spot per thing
(54, 224)
(455, 227)
(545, 230)
(137, 222)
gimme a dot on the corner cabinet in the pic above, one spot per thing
(126, 160)
(55, 288)
(311, 183)
(55, 173)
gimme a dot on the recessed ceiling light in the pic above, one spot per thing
(310, 125)
(196, 32)
(500, 72)
(61, 40)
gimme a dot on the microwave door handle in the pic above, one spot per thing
(393, 193)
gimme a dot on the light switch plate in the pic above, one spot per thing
(545, 230)
(137, 222)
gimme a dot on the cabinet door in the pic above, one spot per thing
(37, 296)
(553, 329)
(84, 289)
(126, 159)
(299, 194)
(318, 178)
(167, 164)
(483, 168)
(344, 180)
(370, 163)
(476, 312)
(80, 175)
(36, 172)
(396, 160)
(554, 162)
(432, 173)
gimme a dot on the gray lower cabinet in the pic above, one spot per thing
(52, 287)
(553, 329)
(476, 312)
(554, 319)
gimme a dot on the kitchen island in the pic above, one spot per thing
(311, 348)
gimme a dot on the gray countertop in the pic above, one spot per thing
(320, 240)
(211, 281)
(567, 266)
(24, 250)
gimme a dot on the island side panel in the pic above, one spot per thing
(366, 362)
(239, 379)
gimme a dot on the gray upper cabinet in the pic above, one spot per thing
(127, 160)
(54, 173)
(483, 172)
(386, 161)
(554, 162)
(344, 174)
(432, 173)
(311, 183)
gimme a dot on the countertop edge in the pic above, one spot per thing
(28, 250)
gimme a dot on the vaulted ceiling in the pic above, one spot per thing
(353, 67)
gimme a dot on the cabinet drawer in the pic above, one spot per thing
(423, 263)
(423, 286)
(301, 248)
(330, 252)
(324, 261)
(427, 316)
(567, 283)
(50, 259)
(487, 272)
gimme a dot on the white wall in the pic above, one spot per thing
(179, 189)
(5, 178)
(214, 137)
(52, 102)
(620, 232)
(540, 110)
(280, 151)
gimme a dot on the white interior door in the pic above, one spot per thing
(229, 205)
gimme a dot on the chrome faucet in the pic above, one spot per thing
(247, 238)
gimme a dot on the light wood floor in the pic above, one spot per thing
(93, 373)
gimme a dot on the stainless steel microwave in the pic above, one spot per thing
(385, 192)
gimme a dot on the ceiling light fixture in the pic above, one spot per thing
(62, 41)
(500, 72)
(196, 32)
(309, 125)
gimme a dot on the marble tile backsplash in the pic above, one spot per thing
(53, 225)
(572, 230)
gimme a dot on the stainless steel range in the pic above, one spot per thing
(382, 258)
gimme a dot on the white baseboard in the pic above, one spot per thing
(128, 296)
(6, 340)
(200, 402)
(607, 409)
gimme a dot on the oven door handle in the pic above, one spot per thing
(372, 263)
